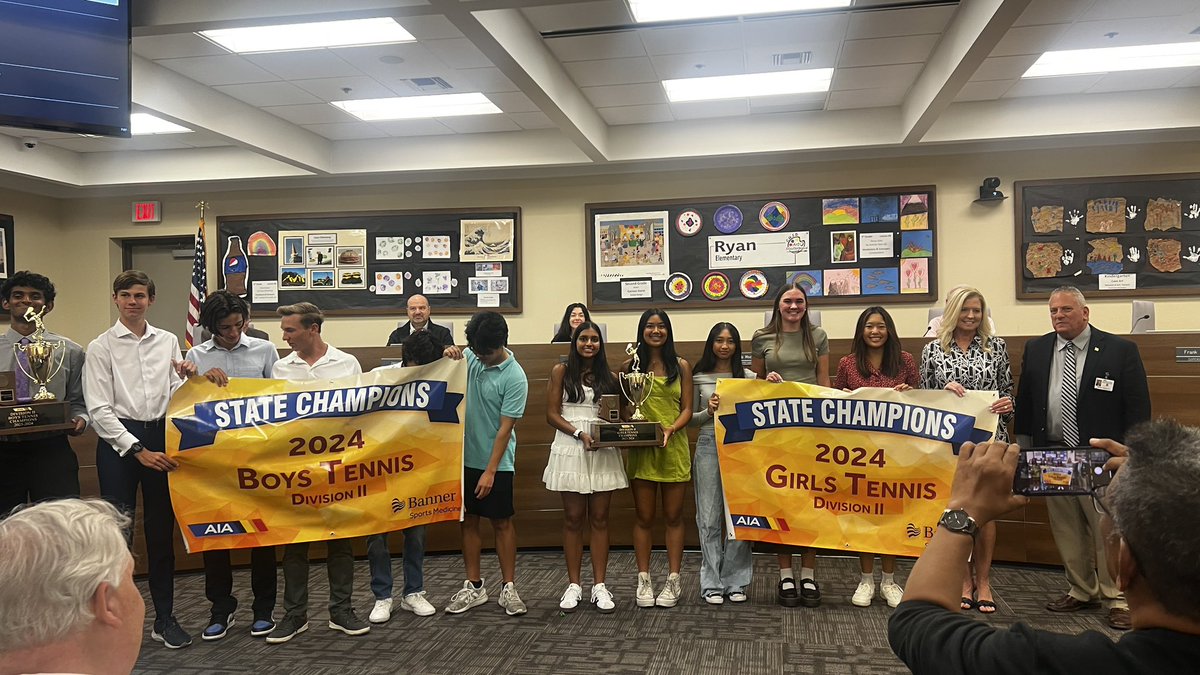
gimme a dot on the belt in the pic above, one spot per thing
(144, 424)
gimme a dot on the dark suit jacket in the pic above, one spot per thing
(440, 333)
(1102, 414)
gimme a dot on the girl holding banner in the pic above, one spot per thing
(876, 359)
(790, 348)
(584, 474)
(667, 468)
(966, 355)
(727, 566)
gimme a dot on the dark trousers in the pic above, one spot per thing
(218, 582)
(339, 562)
(33, 470)
(119, 481)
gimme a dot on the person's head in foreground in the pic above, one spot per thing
(421, 348)
(487, 336)
(68, 603)
(1153, 551)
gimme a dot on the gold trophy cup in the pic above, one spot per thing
(637, 432)
(636, 385)
(45, 356)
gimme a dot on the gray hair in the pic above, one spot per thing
(1072, 291)
(55, 555)
(1156, 496)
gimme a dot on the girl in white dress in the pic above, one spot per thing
(585, 475)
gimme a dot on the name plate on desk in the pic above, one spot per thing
(33, 417)
(1187, 355)
(627, 434)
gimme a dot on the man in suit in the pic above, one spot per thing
(1076, 384)
(418, 319)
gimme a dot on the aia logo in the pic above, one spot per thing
(912, 531)
(397, 505)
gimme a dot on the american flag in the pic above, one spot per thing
(199, 285)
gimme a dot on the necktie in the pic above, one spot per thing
(1070, 396)
(22, 380)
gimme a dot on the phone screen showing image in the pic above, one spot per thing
(1060, 471)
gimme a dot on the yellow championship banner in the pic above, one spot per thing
(863, 471)
(268, 462)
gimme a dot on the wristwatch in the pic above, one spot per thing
(135, 448)
(577, 434)
(957, 520)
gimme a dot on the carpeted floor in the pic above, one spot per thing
(692, 638)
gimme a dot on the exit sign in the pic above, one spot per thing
(147, 212)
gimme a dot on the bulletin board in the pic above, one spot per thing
(7, 253)
(369, 263)
(1123, 236)
(847, 247)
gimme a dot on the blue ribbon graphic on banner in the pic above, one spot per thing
(208, 419)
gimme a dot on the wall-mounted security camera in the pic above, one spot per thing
(29, 143)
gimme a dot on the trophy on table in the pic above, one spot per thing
(637, 432)
(41, 356)
(39, 360)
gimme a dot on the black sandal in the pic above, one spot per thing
(967, 604)
(810, 593)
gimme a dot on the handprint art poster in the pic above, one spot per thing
(1164, 254)
(1106, 215)
(1047, 219)
(1163, 215)
(1105, 256)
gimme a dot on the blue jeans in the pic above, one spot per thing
(381, 563)
(727, 565)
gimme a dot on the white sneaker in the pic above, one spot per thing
(891, 592)
(714, 598)
(645, 591)
(417, 604)
(602, 598)
(510, 601)
(381, 612)
(863, 594)
(738, 596)
(467, 598)
(669, 595)
(570, 598)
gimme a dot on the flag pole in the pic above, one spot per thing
(199, 286)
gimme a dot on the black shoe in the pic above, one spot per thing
(349, 623)
(786, 593)
(810, 593)
(218, 627)
(291, 626)
(170, 633)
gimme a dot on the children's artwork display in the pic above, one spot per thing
(1122, 236)
(359, 263)
(738, 251)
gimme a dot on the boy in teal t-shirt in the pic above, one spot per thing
(496, 393)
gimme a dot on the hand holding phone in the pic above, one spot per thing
(1050, 471)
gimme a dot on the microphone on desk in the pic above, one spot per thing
(1133, 329)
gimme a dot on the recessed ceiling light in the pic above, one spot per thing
(414, 107)
(145, 124)
(645, 11)
(743, 86)
(1115, 59)
(296, 36)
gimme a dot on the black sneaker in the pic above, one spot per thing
(291, 626)
(810, 593)
(170, 633)
(218, 627)
(786, 594)
(349, 623)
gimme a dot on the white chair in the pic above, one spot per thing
(603, 330)
(1143, 317)
(814, 316)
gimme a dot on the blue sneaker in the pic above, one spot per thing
(218, 627)
(262, 627)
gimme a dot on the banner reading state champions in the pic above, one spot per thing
(268, 462)
(864, 471)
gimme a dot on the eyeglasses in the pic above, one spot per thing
(1098, 495)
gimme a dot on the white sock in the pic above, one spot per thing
(889, 577)
(868, 578)
(785, 573)
(808, 573)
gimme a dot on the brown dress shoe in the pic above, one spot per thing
(1118, 618)
(1069, 604)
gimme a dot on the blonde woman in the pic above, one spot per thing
(966, 355)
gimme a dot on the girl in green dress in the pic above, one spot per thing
(665, 469)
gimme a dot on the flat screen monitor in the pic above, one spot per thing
(64, 65)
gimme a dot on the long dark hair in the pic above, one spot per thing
(775, 325)
(708, 360)
(890, 366)
(669, 357)
(602, 378)
(564, 333)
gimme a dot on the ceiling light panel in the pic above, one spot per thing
(145, 124)
(299, 36)
(646, 11)
(416, 107)
(751, 85)
(1115, 59)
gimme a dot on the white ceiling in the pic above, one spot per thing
(579, 87)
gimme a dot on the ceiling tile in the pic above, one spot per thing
(268, 93)
(984, 90)
(332, 88)
(871, 77)
(1124, 9)
(810, 28)
(695, 110)
(178, 45)
(513, 102)
(763, 108)
(313, 113)
(1139, 80)
(548, 18)
(897, 22)
(346, 131)
(884, 97)
(480, 124)
(458, 53)
(597, 47)
(532, 120)
(430, 27)
(703, 64)
(1125, 32)
(886, 51)
(413, 128)
(1003, 67)
(216, 70)
(688, 39)
(487, 80)
(1052, 86)
(626, 94)
(304, 65)
(1052, 11)
(1029, 40)
(805, 100)
(611, 71)
(760, 59)
(637, 114)
(1191, 78)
